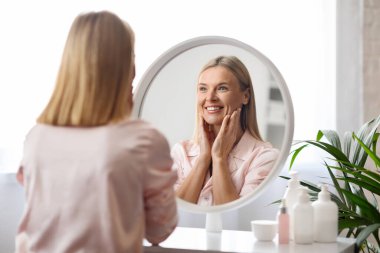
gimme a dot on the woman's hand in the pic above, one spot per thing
(206, 139)
(192, 185)
(229, 133)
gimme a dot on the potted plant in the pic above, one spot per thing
(356, 186)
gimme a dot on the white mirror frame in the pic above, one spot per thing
(167, 56)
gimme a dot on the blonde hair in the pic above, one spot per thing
(248, 120)
(94, 82)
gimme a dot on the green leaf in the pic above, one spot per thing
(358, 170)
(336, 184)
(374, 142)
(366, 232)
(319, 135)
(284, 177)
(295, 154)
(372, 174)
(347, 142)
(310, 185)
(366, 185)
(333, 137)
(361, 178)
(367, 209)
(353, 223)
(365, 134)
(373, 156)
(330, 149)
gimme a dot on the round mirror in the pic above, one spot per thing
(166, 97)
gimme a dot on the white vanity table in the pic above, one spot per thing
(198, 240)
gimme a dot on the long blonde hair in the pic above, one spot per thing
(248, 120)
(93, 85)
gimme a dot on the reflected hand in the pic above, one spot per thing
(227, 136)
(206, 138)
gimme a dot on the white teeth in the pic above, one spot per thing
(213, 108)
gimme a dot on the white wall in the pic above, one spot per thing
(349, 76)
(371, 60)
(297, 35)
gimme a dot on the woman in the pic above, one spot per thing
(227, 158)
(95, 181)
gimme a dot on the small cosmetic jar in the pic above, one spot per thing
(264, 230)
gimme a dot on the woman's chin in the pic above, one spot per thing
(214, 119)
(214, 122)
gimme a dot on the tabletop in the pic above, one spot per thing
(198, 240)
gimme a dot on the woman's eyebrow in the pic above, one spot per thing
(221, 83)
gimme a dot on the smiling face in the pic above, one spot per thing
(219, 94)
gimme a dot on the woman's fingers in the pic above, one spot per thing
(225, 123)
(235, 119)
(232, 124)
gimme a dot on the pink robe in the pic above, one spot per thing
(250, 161)
(99, 189)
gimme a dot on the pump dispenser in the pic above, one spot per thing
(325, 217)
(303, 219)
(291, 195)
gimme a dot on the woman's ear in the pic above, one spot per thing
(20, 175)
(246, 97)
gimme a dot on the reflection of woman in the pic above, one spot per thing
(95, 181)
(227, 158)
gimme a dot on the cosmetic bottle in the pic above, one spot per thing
(283, 223)
(290, 196)
(303, 219)
(325, 217)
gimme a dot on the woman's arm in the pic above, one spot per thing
(261, 165)
(192, 185)
(230, 133)
(224, 189)
(159, 198)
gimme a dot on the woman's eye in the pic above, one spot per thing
(222, 88)
(202, 89)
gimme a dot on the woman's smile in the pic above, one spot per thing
(214, 109)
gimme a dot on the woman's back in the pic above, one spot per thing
(98, 189)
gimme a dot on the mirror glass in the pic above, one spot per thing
(166, 97)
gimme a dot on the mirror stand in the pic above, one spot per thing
(213, 240)
(213, 222)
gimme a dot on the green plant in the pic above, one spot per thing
(357, 187)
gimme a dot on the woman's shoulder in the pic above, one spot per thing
(259, 145)
(142, 129)
(187, 147)
(185, 144)
(138, 125)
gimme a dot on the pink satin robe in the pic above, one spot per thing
(99, 189)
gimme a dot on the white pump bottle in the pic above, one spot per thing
(291, 196)
(303, 219)
(325, 217)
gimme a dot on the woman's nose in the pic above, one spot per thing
(211, 96)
